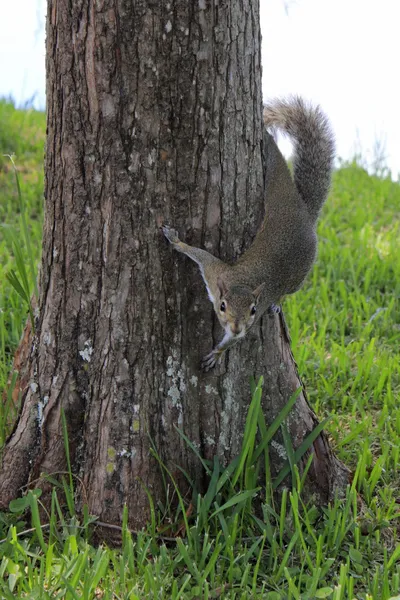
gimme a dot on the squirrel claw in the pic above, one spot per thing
(209, 361)
(274, 309)
(171, 234)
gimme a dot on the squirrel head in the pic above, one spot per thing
(236, 307)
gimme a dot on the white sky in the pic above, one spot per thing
(343, 54)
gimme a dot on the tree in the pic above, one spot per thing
(154, 115)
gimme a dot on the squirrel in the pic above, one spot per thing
(284, 248)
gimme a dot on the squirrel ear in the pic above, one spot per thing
(222, 287)
(257, 291)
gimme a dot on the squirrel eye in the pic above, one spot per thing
(253, 310)
(222, 308)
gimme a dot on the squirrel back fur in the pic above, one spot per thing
(284, 248)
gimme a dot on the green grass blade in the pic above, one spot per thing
(237, 499)
(273, 428)
(304, 446)
(25, 228)
(69, 490)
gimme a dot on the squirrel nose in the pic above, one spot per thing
(236, 328)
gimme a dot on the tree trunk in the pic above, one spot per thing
(154, 115)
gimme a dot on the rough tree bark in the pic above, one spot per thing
(154, 114)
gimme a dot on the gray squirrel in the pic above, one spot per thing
(284, 248)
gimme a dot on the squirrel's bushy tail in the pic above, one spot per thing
(314, 146)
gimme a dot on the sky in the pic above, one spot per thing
(342, 54)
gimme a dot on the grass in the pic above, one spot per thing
(345, 328)
(22, 134)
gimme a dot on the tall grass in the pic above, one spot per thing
(22, 135)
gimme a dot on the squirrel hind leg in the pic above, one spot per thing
(274, 309)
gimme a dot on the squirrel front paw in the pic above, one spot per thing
(210, 360)
(171, 234)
